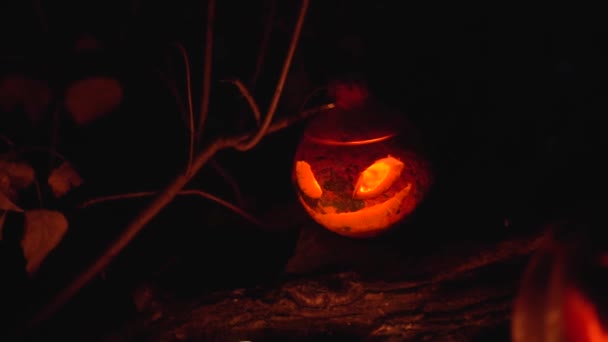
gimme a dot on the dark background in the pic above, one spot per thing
(510, 102)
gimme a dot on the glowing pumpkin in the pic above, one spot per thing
(358, 171)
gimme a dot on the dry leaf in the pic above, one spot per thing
(64, 178)
(14, 177)
(7, 204)
(33, 95)
(92, 98)
(43, 231)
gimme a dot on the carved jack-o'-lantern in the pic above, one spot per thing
(358, 170)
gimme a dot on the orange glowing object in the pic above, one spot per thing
(561, 296)
(306, 180)
(358, 169)
(581, 322)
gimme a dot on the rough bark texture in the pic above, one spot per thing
(452, 293)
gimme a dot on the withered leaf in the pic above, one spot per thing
(7, 204)
(64, 178)
(43, 231)
(92, 98)
(14, 177)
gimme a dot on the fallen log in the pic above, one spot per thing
(452, 293)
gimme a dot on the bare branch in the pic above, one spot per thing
(172, 87)
(200, 193)
(190, 107)
(277, 94)
(310, 96)
(264, 45)
(207, 69)
(247, 95)
(147, 214)
(230, 180)
(242, 143)
(286, 122)
(38, 193)
(111, 198)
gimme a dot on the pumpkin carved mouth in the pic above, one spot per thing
(342, 215)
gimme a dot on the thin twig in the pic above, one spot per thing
(207, 69)
(277, 94)
(173, 189)
(264, 45)
(147, 214)
(250, 100)
(39, 193)
(200, 193)
(190, 107)
(186, 110)
(230, 180)
(286, 122)
(110, 198)
(172, 87)
(310, 96)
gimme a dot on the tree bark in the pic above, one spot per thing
(452, 295)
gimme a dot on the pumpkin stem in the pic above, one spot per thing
(348, 94)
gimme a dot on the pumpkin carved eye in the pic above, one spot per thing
(307, 181)
(377, 178)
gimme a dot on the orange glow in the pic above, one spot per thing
(306, 180)
(377, 178)
(349, 143)
(365, 222)
(581, 322)
(348, 94)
